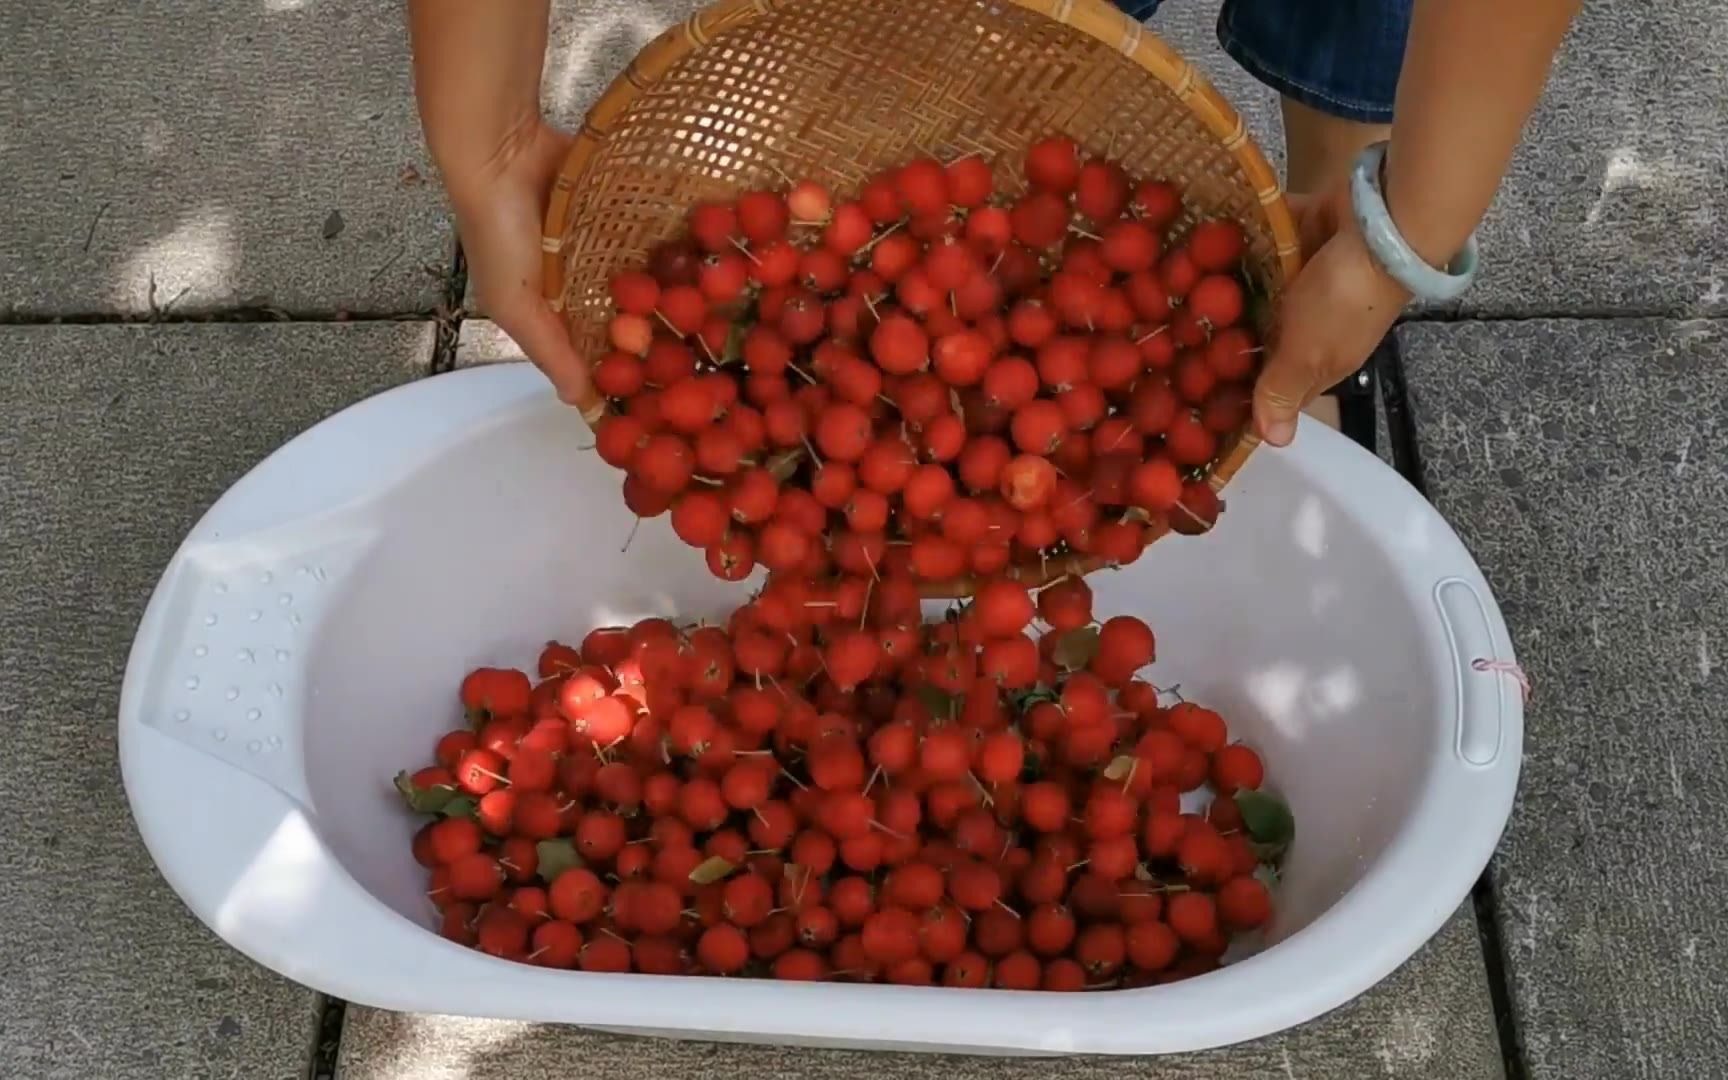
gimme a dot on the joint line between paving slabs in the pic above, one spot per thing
(1580, 315)
(1388, 362)
(1356, 399)
(455, 285)
(248, 314)
(326, 1038)
(1487, 906)
(450, 313)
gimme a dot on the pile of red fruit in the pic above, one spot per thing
(872, 399)
(828, 787)
(933, 379)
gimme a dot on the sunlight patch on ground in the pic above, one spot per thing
(192, 265)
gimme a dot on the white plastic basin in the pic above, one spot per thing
(305, 643)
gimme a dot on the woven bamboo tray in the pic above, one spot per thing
(747, 92)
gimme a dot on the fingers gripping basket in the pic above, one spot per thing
(749, 92)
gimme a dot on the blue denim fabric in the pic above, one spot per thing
(1340, 57)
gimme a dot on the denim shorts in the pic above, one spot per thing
(1339, 57)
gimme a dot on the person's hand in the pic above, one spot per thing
(1331, 317)
(500, 205)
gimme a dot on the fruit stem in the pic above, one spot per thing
(1205, 526)
(874, 824)
(983, 791)
(739, 244)
(877, 239)
(1059, 579)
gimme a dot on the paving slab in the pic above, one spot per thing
(1430, 1019)
(1586, 465)
(234, 155)
(1614, 203)
(481, 341)
(1191, 28)
(113, 439)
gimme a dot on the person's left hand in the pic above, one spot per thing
(499, 193)
(1331, 317)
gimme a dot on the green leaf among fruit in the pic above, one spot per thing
(428, 800)
(556, 856)
(1268, 821)
(1076, 648)
(712, 869)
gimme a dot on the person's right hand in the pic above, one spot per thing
(500, 206)
(1337, 308)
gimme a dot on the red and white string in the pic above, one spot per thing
(1506, 667)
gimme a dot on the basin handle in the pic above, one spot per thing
(1484, 672)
